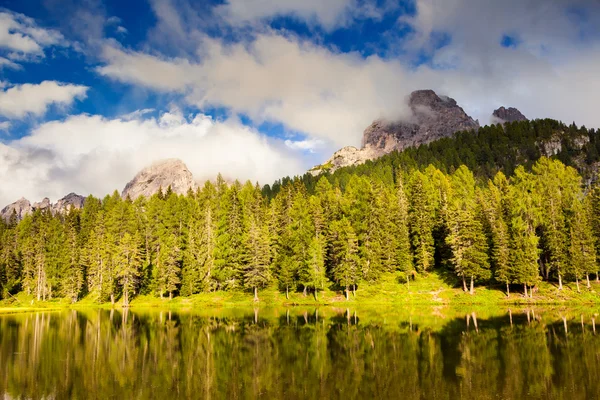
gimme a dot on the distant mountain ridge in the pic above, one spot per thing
(433, 117)
(160, 175)
(23, 207)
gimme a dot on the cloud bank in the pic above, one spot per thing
(34, 99)
(89, 154)
(539, 56)
(23, 39)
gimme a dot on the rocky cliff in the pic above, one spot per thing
(160, 175)
(510, 114)
(432, 117)
(23, 207)
(20, 208)
(71, 200)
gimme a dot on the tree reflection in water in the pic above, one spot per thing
(299, 354)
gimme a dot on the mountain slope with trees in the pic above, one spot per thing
(344, 232)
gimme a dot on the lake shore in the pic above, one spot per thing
(427, 291)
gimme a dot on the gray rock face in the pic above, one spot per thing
(160, 175)
(42, 205)
(71, 200)
(346, 156)
(21, 208)
(510, 114)
(433, 117)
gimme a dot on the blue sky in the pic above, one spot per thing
(92, 90)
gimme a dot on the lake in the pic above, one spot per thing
(301, 353)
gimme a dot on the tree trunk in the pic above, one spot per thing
(507, 290)
(347, 293)
(161, 294)
(597, 277)
(587, 278)
(577, 283)
(354, 290)
(408, 281)
(255, 293)
(464, 284)
(170, 295)
(287, 294)
(304, 291)
(525, 287)
(560, 287)
(125, 298)
(316, 295)
(472, 291)
(112, 299)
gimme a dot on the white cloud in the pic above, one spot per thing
(23, 38)
(91, 154)
(5, 125)
(328, 13)
(309, 145)
(310, 89)
(137, 114)
(6, 63)
(333, 96)
(34, 99)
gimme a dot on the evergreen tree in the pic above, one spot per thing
(466, 238)
(168, 266)
(554, 188)
(421, 222)
(72, 269)
(582, 253)
(128, 265)
(494, 208)
(594, 219)
(399, 219)
(345, 253)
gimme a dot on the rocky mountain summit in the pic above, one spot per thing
(432, 117)
(23, 207)
(510, 114)
(71, 200)
(20, 208)
(160, 175)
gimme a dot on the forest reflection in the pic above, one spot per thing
(299, 354)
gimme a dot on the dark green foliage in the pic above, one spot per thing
(402, 214)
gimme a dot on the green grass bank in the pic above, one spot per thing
(430, 290)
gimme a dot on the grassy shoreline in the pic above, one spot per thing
(424, 291)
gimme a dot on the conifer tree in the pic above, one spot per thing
(594, 219)
(97, 259)
(128, 265)
(399, 219)
(257, 273)
(493, 205)
(554, 188)
(72, 268)
(346, 259)
(582, 253)
(421, 222)
(168, 267)
(466, 238)
(525, 214)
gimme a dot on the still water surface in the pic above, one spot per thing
(300, 354)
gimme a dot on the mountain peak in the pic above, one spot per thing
(510, 114)
(433, 117)
(160, 175)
